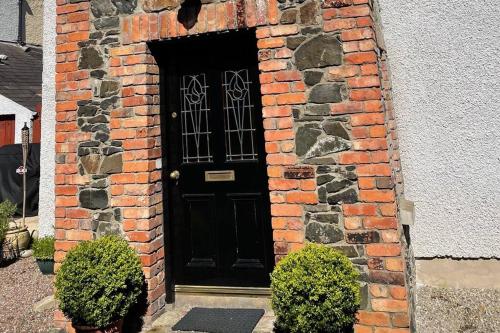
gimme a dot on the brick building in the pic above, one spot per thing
(285, 120)
(219, 136)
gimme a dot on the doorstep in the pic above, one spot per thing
(186, 301)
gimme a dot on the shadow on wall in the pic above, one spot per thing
(188, 13)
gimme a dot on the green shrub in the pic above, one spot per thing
(7, 210)
(43, 248)
(315, 290)
(99, 281)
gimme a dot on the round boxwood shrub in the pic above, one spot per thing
(315, 290)
(99, 281)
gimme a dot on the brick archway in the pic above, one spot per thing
(329, 134)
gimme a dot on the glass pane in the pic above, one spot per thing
(194, 116)
(238, 116)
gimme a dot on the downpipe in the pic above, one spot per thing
(20, 23)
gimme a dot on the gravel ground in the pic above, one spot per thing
(450, 310)
(21, 286)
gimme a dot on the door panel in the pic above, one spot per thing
(219, 205)
(201, 225)
(247, 230)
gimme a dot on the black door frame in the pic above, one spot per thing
(157, 49)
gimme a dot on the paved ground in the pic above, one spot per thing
(438, 310)
(447, 310)
(21, 286)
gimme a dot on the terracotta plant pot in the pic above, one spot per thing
(46, 266)
(115, 327)
(19, 237)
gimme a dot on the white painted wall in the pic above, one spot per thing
(445, 62)
(47, 149)
(22, 114)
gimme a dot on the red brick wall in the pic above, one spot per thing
(108, 138)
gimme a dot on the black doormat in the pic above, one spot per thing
(215, 320)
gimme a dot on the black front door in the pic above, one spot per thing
(216, 170)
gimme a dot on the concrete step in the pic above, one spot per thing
(186, 301)
(223, 301)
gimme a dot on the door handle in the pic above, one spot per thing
(175, 175)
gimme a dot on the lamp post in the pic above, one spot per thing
(25, 137)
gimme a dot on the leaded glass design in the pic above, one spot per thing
(238, 116)
(194, 117)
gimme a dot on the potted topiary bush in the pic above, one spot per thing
(13, 238)
(315, 290)
(98, 283)
(43, 251)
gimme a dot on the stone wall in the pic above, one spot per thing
(327, 130)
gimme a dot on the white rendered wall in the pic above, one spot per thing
(47, 150)
(445, 63)
(22, 114)
(9, 13)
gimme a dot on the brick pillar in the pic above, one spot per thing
(108, 174)
(137, 189)
(373, 220)
(72, 222)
